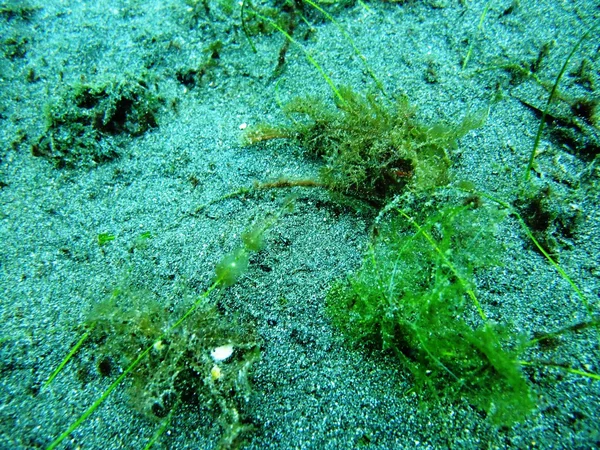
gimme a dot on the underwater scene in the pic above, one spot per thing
(299, 224)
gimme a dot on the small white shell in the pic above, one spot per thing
(222, 353)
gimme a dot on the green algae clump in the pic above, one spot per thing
(414, 296)
(232, 266)
(182, 368)
(371, 147)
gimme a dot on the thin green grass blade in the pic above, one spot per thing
(307, 54)
(67, 358)
(365, 6)
(132, 366)
(554, 264)
(538, 135)
(99, 401)
(479, 29)
(447, 262)
(583, 373)
(351, 42)
(530, 235)
(245, 27)
(161, 430)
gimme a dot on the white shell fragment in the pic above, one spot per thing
(221, 353)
